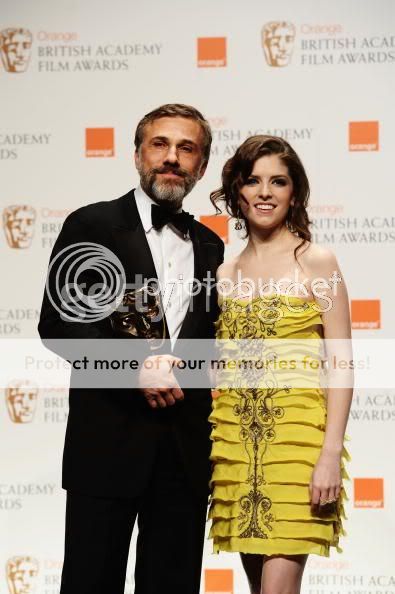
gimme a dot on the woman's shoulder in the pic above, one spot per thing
(317, 257)
(227, 269)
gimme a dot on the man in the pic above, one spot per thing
(142, 452)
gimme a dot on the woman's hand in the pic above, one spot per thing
(326, 480)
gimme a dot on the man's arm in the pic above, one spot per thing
(55, 319)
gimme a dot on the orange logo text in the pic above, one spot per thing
(217, 223)
(369, 492)
(363, 136)
(99, 142)
(211, 52)
(365, 314)
(218, 581)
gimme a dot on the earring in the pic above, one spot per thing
(238, 223)
(290, 215)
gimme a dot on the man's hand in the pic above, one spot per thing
(158, 383)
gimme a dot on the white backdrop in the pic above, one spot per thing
(98, 64)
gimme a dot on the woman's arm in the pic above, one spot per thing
(326, 480)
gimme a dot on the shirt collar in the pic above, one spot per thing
(144, 203)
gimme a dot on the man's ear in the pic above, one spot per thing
(137, 159)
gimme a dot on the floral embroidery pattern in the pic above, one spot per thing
(256, 408)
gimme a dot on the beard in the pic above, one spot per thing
(168, 192)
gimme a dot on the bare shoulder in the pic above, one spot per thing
(318, 259)
(227, 269)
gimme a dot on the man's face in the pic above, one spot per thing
(19, 226)
(278, 45)
(21, 401)
(170, 159)
(22, 576)
(16, 51)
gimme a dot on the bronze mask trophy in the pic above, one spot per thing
(140, 315)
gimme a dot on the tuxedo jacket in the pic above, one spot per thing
(112, 434)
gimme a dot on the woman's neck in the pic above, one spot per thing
(270, 239)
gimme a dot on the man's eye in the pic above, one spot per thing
(158, 144)
(186, 148)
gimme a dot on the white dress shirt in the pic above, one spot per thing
(173, 258)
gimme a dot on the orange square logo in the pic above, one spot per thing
(363, 136)
(217, 223)
(99, 142)
(218, 581)
(369, 492)
(365, 314)
(211, 52)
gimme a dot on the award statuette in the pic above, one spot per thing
(140, 315)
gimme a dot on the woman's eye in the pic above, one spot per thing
(280, 182)
(250, 181)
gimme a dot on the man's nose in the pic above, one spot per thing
(172, 155)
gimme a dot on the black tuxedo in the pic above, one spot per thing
(113, 437)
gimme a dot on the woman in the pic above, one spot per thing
(277, 450)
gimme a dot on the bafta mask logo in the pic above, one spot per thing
(278, 42)
(15, 47)
(18, 221)
(21, 399)
(21, 574)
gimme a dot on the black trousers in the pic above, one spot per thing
(171, 523)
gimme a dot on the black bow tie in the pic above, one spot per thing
(162, 216)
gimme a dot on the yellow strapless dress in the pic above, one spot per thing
(266, 440)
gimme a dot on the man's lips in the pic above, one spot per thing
(171, 174)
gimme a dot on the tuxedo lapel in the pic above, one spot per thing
(132, 247)
(131, 243)
(205, 259)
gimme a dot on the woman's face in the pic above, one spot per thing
(267, 194)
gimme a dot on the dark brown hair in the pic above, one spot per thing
(173, 110)
(238, 169)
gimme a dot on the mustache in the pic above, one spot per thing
(175, 170)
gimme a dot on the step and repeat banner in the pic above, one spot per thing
(75, 78)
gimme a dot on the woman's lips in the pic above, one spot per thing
(264, 208)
